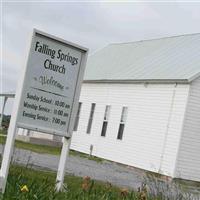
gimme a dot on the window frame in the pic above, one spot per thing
(76, 123)
(91, 116)
(105, 120)
(124, 114)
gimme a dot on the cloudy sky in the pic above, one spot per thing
(90, 24)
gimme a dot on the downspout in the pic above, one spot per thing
(167, 129)
(182, 129)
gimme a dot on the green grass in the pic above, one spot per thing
(3, 131)
(41, 187)
(34, 147)
(45, 149)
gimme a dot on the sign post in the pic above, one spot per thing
(47, 97)
(62, 163)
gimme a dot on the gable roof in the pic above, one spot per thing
(175, 59)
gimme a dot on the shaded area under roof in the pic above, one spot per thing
(166, 59)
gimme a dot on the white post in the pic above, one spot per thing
(8, 150)
(62, 163)
(2, 111)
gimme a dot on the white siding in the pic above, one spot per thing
(152, 130)
(188, 161)
(36, 134)
(22, 132)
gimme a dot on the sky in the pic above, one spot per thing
(91, 24)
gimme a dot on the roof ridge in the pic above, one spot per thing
(146, 40)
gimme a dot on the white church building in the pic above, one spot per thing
(140, 106)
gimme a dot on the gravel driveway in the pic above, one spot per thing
(105, 171)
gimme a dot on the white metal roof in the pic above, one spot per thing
(166, 59)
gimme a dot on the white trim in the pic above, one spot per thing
(192, 78)
(130, 81)
(73, 45)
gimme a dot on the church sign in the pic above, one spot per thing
(47, 96)
(50, 83)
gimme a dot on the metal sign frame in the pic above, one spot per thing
(14, 125)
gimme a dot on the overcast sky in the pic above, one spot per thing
(93, 25)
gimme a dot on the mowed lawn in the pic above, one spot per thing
(29, 184)
(34, 147)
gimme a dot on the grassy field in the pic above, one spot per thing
(34, 147)
(39, 185)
